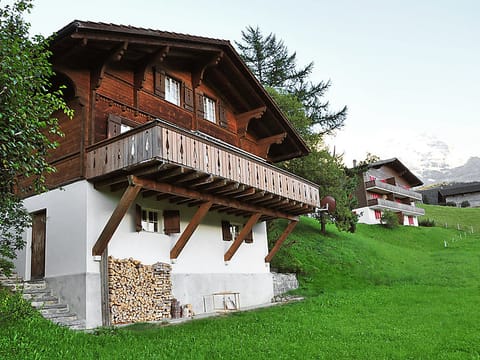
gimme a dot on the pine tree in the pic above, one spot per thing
(269, 59)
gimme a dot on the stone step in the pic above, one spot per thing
(34, 294)
(61, 318)
(34, 285)
(47, 300)
(53, 308)
(74, 324)
(41, 298)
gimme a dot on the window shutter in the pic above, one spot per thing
(249, 237)
(222, 115)
(114, 125)
(188, 98)
(171, 221)
(200, 112)
(226, 234)
(138, 218)
(160, 83)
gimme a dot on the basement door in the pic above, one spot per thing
(39, 220)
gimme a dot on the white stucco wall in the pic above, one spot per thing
(367, 216)
(77, 214)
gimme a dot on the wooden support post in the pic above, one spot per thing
(291, 225)
(238, 241)
(127, 199)
(187, 233)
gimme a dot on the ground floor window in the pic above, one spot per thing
(410, 220)
(378, 214)
(150, 220)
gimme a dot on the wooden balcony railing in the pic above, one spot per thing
(385, 188)
(382, 204)
(159, 141)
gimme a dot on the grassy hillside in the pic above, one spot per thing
(378, 293)
(453, 217)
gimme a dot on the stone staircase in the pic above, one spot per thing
(40, 296)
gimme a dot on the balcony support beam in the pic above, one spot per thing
(126, 201)
(193, 194)
(240, 237)
(189, 230)
(291, 225)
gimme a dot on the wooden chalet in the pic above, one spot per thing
(168, 159)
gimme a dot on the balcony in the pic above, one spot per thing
(381, 187)
(382, 204)
(194, 161)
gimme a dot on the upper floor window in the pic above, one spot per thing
(172, 90)
(209, 109)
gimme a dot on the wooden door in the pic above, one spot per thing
(38, 244)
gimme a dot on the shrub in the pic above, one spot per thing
(427, 223)
(13, 307)
(389, 219)
(465, 204)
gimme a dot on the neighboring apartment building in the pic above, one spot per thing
(386, 185)
(167, 161)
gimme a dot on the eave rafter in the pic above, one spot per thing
(114, 56)
(244, 119)
(149, 61)
(199, 73)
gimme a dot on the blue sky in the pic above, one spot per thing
(409, 71)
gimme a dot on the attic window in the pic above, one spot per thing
(209, 109)
(172, 90)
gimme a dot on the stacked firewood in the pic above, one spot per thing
(138, 292)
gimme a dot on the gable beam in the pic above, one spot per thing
(243, 119)
(126, 201)
(199, 73)
(265, 143)
(99, 71)
(291, 225)
(243, 233)
(191, 227)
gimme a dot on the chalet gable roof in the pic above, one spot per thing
(85, 43)
(401, 169)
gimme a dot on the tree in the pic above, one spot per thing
(27, 127)
(268, 58)
(320, 166)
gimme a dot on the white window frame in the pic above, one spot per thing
(235, 230)
(172, 90)
(151, 220)
(209, 112)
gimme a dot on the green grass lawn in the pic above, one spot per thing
(375, 294)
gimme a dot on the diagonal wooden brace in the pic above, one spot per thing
(291, 225)
(126, 201)
(238, 241)
(191, 227)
